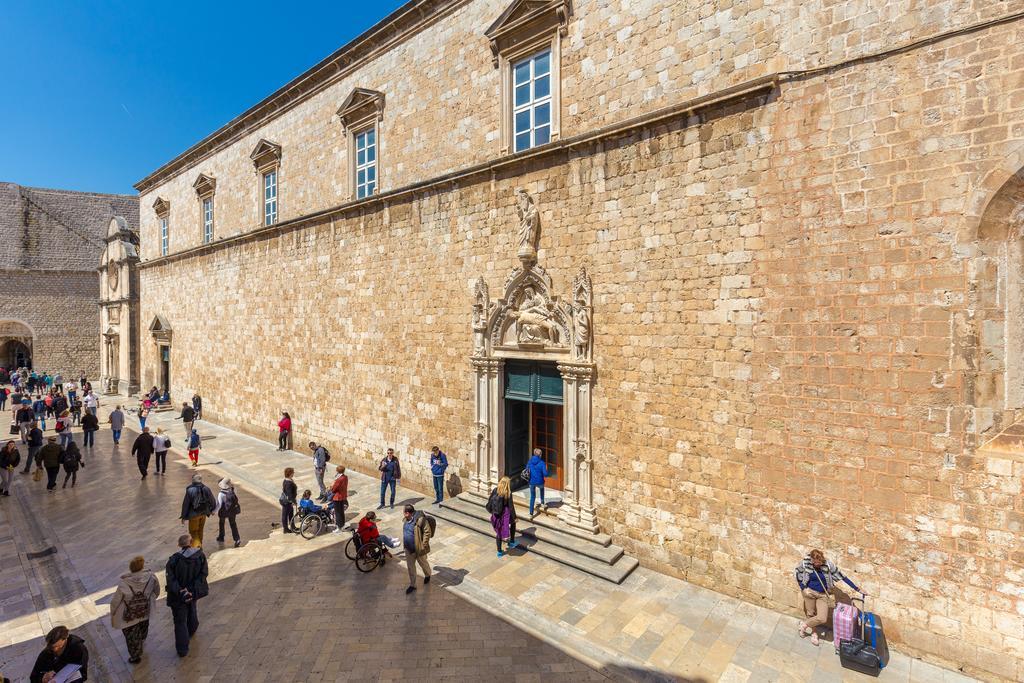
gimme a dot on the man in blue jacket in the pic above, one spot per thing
(538, 470)
(438, 464)
(390, 474)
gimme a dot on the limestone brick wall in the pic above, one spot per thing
(794, 330)
(61, 308)
(619, 60)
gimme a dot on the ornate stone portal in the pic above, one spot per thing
(530, 323)
(119, 314)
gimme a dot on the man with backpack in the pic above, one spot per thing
(186, 574)
(417, 530)
(197, 505)
(320, 459)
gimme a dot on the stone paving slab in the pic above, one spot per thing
(651, 628)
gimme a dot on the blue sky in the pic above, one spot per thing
(98, 94)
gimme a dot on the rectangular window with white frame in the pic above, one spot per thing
(531, 101)
(164, 236)
(270, 197)
(207, 220)
(366, 162)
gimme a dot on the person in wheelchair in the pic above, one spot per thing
(368, 533)
(307, 506)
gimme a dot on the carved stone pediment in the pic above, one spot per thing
(529, 317)
(204, 185)
(159, 328)
(161, 206)
(526, 20)
(266, 153)
(361, 105)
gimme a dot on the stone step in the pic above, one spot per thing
(608, 554)
(549, 521)
(614, 567)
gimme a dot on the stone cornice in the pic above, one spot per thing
(393, 29)
(759, 86)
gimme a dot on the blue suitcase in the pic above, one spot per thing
(868, 654)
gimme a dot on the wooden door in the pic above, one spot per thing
(547, 436)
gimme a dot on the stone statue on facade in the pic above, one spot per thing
(533, 320)
(481, 304)
(529, 227)
(582, 294)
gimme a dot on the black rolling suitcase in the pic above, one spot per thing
(867, 654)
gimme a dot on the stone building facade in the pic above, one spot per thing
(52, 241)
(119, 309)
(752, 281)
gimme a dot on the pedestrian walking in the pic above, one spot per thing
(132, 605)
(142, 449)
(284, 431)
(143, 414)
(90, 425)
(503, 514)
(10, 457)
(227, 509)
(50, 456)
(25, 419)
(62, 649)
(161, 444)
(538, 470)
(194, 444)
(390, 474)
(339, 495)
(39, 411)
(416, 532)
(320, 458)
(116, 420)
(438, 465)
(196, 506)
(63, 429)
(90, 402)
(197, 406)
(188, 418)
(35, 444)
(817, 579)
(72, 461)
(3, 398)
(186, 573)
(289, 492)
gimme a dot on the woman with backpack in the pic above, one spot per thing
(161, 443)
(71, 460)
(194, 444)
(503, 514)
(227, 508)
(63, 428)
(132, 604)
(289, 492)
(10, 457)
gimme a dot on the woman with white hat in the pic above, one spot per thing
(227, 508)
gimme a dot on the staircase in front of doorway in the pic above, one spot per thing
(546, 536)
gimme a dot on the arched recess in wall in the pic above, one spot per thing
(16, 341)
(995, 224)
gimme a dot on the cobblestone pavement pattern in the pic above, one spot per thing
(283, 608)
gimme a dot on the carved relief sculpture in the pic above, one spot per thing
(529, 227)
(533, 320)
(481, 310)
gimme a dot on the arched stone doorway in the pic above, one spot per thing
(16, 340)
(534, 376)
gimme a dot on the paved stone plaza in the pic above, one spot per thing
(283, 608)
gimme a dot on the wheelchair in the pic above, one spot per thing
(310, 524)
(367, 556)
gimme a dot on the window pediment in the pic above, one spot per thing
(526, 20)
(161, 206)
(265, 154)
(204, 185)
(361, 105)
